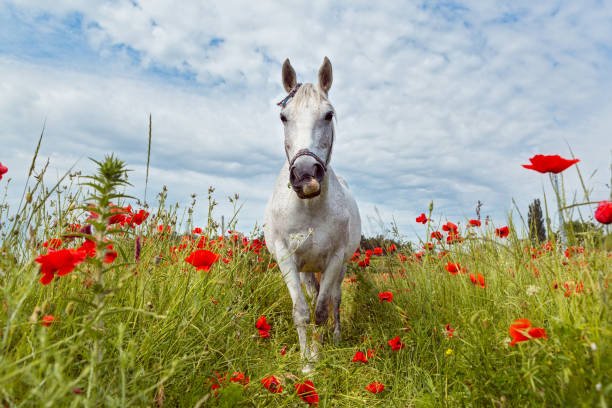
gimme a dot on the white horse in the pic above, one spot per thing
(311, 224)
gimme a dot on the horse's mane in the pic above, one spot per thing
(310, 95)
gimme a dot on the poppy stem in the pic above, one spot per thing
(554, 179)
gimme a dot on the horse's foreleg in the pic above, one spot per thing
(301, 312)
(328, 280)
(336, 298)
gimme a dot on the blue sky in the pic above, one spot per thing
(437, 101)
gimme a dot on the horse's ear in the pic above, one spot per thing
(289, 81)
(325, 75)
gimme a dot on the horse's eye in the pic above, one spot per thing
(329, 115)
(283, 118)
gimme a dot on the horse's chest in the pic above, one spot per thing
(312, 247)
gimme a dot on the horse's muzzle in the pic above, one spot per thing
(306, 177)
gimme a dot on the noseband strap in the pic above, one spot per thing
(306, 152)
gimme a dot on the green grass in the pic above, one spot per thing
(154, 332)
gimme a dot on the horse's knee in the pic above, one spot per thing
(301, 315)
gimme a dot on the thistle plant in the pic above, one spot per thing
(105, 186)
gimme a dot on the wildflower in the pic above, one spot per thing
(549, 164)
(283, 351)
(419, 255)
(364, 263)
(396, 344)
(306, 391)
(475, 223)
(436, 235)
(429, 246)
(371, 353)
(138, 218)
(422, 219)
(3, 170)
(356, 256)
(272, 384)
(478, 279)
(239, 378)
(532, 290)
(391, 248)
(137, 249)
(263, 327)
(197, 230)
(453, 237)
(388, 296)
(120, 215)
(47, 320)
(448, 352)
(453, 268)
(202, 259)
(603, 213)
(89, 247)
(521, 330)
(375, 387)
(360, 356)
(110, 255)
(449, 330)
(502, 232)
(61, 262)
(450, 227)
(378, 251)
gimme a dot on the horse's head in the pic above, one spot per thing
(309, 131)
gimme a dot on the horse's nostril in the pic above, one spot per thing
(319, 172)
(292, 176)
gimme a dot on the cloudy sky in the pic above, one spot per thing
(436, 100)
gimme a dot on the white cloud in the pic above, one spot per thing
(435, 102)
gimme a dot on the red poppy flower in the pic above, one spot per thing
(396, 344)
(306, 391)
(61, 262)
(478, 279)
(139, 217)
(419, 255)
(283, 351)
(202, 259)
(3, 170)
(371, 353)
(388, 296)
(359, 356)
(272, 384)
(603, 213)
(521, 330)
(89, 247)
(120, 215)
(52, 243)
(502, 232)
(436, 235)
(262, 324)
(391, 248)
(365, 262)
(429, 246)
(453, 268)
(450, 227)
(549, 164)
(239, 378)
(109, 255)
(453, 238)
(449, 330)
(197, 230)
(47, 320)
(475, 223)
(375, 387)
(378, 251)
(422, 219)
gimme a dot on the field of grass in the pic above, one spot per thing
(148, 329)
